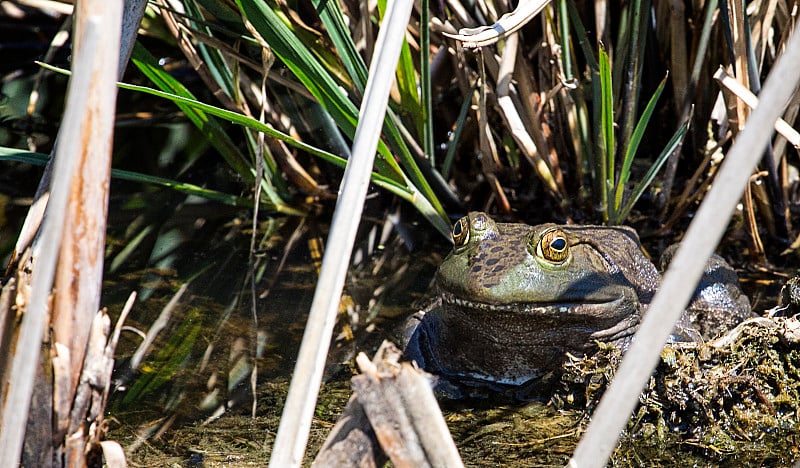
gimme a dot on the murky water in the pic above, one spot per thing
(191, 401)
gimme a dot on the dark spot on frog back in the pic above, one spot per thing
(496, 254)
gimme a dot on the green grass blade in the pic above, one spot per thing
(233, 117)
(410, 193)
(607, 131)
(727, 30)
(423, 174)
(585, 128)
(211, 129)
(633, 69)
(379, 179)
(702, 45)
(303, 64)
(23, 156)
(307, 69)
(406, 78)
(410, 104)
(425, 80)
(39, 159)
(583, 38)
(620, 48)
(641, 186)
(220, 10)
(456, 136)
(633, 146)
(212, 57)
(566, 48)
(331, 15)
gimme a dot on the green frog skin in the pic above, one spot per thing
(515, 299)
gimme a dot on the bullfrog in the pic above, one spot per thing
(515, 299)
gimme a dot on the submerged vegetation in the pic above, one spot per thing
(235, 118)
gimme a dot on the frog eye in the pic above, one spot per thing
(553, 246)
(461, 232)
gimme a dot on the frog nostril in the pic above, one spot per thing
(479, 222)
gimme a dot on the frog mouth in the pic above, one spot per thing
(605, 320)
(583, 307)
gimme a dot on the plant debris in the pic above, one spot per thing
(736, 395)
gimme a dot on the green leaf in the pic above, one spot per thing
(296, 56)
(636, 138)
(213, 131)
(425, 80)
(607, 130)
(406, 82)
(452, 145)
(39, 159)
(210, 128)
(212, 57)
(410, 194)
(307, 69)
(331, 15)
(673, 144)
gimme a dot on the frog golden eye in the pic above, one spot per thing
(553, 246)
(461, 232)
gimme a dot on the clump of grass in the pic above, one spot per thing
(546, 126)
(615, 204)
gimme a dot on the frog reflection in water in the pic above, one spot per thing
(515, 299)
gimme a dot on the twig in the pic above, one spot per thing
(159, 324)
(472, 38)
(392, 412)
(732, 85)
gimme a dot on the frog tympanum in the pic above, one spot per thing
(515, 299)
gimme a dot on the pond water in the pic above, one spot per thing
(213, 342)
(191, 404)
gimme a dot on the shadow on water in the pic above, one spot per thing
(196, 375)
